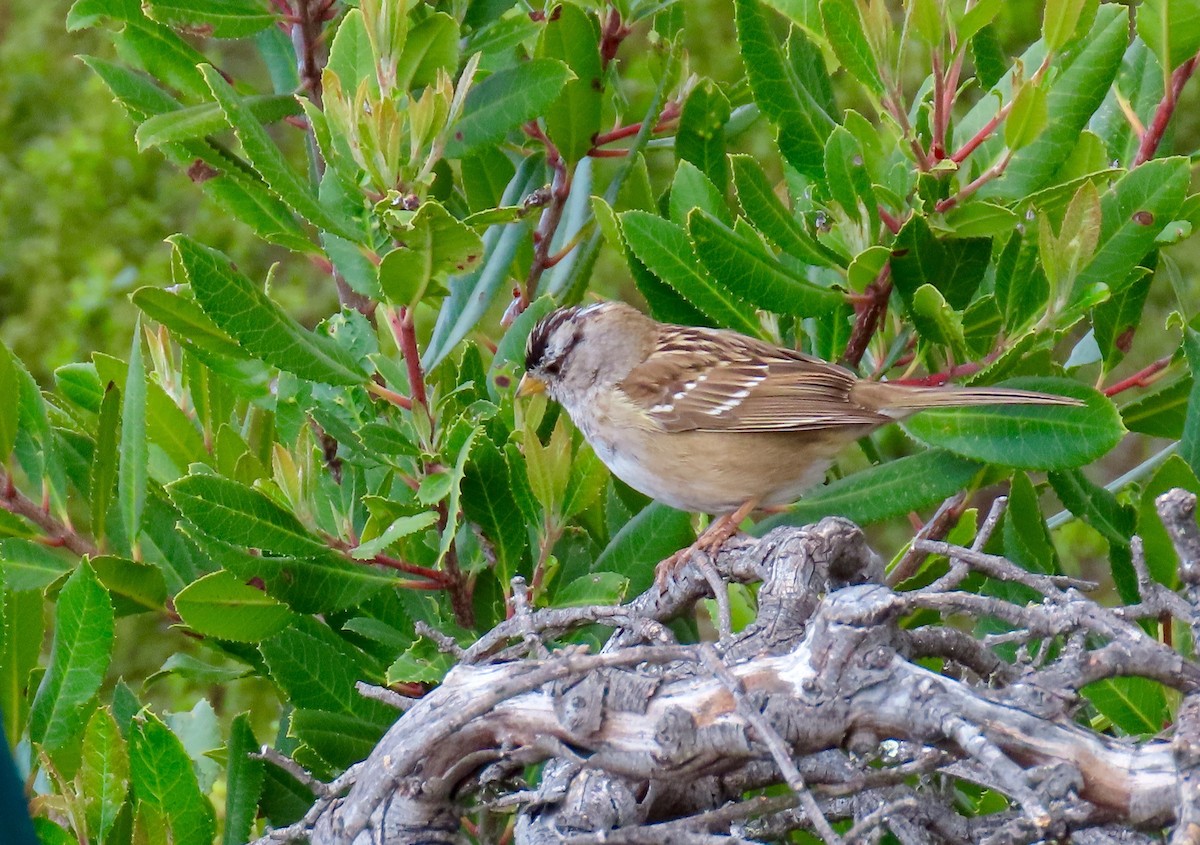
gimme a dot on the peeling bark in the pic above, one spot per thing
(653, 741)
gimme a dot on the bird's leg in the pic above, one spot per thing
(710, 540)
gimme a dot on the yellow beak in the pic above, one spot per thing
(530, 386)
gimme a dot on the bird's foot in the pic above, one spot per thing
(709, 542)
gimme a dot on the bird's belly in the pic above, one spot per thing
(714, 472)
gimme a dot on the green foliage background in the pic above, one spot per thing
(227, 500)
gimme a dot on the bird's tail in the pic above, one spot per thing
(900, 400)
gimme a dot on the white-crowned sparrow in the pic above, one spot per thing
(710, 420)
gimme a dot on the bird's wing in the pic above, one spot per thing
(711, 380)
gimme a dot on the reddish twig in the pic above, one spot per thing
(894, 224)
(612, 33)
(666, 121)
(439, 580)
(988, 128)
(1142, 378)
(390, 395)
(937, 145)
(309, 19)
(1153, 135)
(870, 309)
(993, 172)
(401, 321)
(938, 379)
(54, 531)
(560, 189)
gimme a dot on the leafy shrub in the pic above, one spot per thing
(295, 499)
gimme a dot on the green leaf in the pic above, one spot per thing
(79, 657)
(103, 772)
(937, 322)
(1162, 413)
(1075, 95)
(653, 535)
(883, 491)
(1135, 705)
(351, 57)
(664, 248)
(132, 474)
(1161, 558)
(1171, 28)
(244, 782)
(341, 739)
(473, 293)
(700, 138)
(764, 209)
(21, 629)
(207, 119)
(399, 528)
(431, 46)
(749, 272)
(8, 410)
(260, 326)
(692, 189)
(269, 160)
(1100, 509)
(164, 780)
(1134, 211)
(78, 383)
(236, 514)
(571, 36)
(808, 61)
(86, 13)
(1028, 117)
(163, 54)
(847, 180)
(488, 501)
(192, 327)
(1189, 443)
(315, 668)
(980, 219)
(214, 18)
(847, 35)
(1026, 537)
(420, 663)
(222, 606)
(434, 244)
(1095, 505)
(1026, 436)
(605, 588)
(1116, 320)
(1059, 21)
(134, 586)
(104, 459)
(955, 266)
(803, 125)
(28, 565)
(504, 101)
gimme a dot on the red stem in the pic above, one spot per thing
(440, 579)
(870, 307)
(400, 319)
(1153, 135)
(938, 379)
(670, 114)
(560, 189)
(56, 533)
(1142, 378)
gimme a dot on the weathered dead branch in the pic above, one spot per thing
(653, 741)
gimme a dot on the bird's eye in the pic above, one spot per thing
(552, 368)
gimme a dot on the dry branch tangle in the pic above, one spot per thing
(650, 744)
